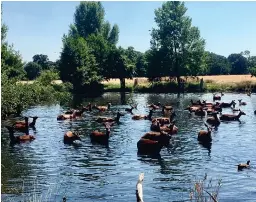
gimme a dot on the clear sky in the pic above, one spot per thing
(37, 27)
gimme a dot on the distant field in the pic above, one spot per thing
(223, 79)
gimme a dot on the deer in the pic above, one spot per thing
(205, 136)
(231, 117)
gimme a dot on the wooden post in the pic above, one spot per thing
(139, 189)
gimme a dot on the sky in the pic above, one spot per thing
(37, 27)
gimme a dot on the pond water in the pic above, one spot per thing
(91, 172)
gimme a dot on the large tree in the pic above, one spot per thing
(217, 64)
(89, 18)
(180, 42)
(33, 70)
(77, 64)
(239, 64)
(100, 37)
(120, 65)
(42, 60)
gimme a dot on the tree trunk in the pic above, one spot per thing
(122, 84)
(179, 84)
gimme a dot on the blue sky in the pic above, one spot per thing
(37, 27)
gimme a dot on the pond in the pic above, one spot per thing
(92, 172)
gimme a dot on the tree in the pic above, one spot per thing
(89, 18)
(100, 49)
(77, 65)
(141, 65)
(239, 64)
(217, 64)
(252, 65)
(114, 35)
(180, 42)
(120, 66)
(11, 61)
(33, 70)
(42, 60)
(47, 76)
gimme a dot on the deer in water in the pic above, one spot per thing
(101, 137)
(242, 103)
(214, 120)
(109, 119)
(205, 136)
(145, 117)
(152, 142)
(70, 137)
(217, 97)
(231, 117)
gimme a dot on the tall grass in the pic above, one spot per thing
(34, 195)
(204, 190)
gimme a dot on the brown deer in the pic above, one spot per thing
(129, 110)
(164, 120)
(20, 123)
(100, 137)
(217, 97)
(214, 120)
(19, 139)
(226, 105)
(231, 117)
(242, 103)
(145, 117)
(109, 119)
(152, 144)
(205, 136)
(170, 129)
(70, 137)
(102, 108)
(66, 116)
(153, 106)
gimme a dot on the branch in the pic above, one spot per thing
(139, 189)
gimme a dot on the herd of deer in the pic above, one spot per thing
(162, 128)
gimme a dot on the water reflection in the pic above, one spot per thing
(109, 173)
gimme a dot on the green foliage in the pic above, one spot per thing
(33, 70)
(42, 60)
(17, 97)
(217, 64)
(239, 64)
(77, 64)
(47, 76)
(121, 64)
(114, 35)
(141, 65)
(100, 49)
(89, 18)
(180, 43)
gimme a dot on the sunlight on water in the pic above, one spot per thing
(86, 171)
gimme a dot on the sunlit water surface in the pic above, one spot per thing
(91, 172)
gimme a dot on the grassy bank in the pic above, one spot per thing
(233, 83)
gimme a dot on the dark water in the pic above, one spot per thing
(88, 172)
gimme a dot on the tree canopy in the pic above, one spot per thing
(178, 41)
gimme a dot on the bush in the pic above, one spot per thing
(47, 76)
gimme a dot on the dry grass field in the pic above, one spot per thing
(222, 79)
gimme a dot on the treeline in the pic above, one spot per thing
(90, 53)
